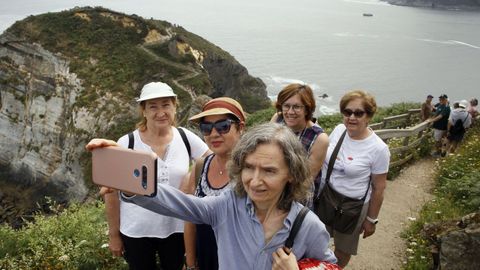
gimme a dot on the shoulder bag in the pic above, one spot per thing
(307, 263)
(338, 211)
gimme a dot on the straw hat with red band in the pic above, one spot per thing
(223, 105)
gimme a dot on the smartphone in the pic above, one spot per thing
(125, 169)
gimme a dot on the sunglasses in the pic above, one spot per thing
(356, 113)
(222, 126)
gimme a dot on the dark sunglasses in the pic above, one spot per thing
(357, 113)
(222, 126)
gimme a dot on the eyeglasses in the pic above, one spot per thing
(357, 113)
(222, 126)
(295, 107)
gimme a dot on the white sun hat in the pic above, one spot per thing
(156, 90)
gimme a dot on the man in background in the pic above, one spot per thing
(460, 120)
(427, 108)
(440, 124)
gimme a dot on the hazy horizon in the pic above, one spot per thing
(398, 54)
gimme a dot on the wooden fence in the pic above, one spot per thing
(399, 121)
(403, 138)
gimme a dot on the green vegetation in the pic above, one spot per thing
(74, 238)
(200, 84)
(105, 50)
(457, 193)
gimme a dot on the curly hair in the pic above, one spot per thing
(299, 189)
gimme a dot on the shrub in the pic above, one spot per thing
(72, 239)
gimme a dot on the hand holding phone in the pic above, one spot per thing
(126, 170)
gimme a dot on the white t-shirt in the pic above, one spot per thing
(461, 114)
(356, 161)
(136, 221)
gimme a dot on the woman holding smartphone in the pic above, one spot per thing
(269, 175)
(221, 122)
(134, 232)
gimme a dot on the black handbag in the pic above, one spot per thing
(334, 209)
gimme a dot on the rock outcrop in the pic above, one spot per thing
(441, 4)
(37, 114)
(67, 77)
(455, 243)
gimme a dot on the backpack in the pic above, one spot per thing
(182, 134)
(458, 128)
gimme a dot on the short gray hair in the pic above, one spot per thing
(299, 188)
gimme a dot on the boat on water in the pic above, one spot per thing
(367, 15)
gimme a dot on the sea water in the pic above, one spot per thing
(398, 54)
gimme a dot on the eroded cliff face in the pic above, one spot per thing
(65, 79)
(221, 72)
(40, 147)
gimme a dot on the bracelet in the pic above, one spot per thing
(372, 220)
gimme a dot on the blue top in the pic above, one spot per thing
(239, 233)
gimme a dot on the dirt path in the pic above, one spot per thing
(404, 197)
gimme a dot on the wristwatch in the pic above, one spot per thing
(372, 220)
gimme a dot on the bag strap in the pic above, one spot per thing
(296, 226)
(198, 169)
(185, 141)
(131, 140)
(331, 162)
(333, 157)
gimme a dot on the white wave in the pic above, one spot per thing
(449, 42)
(325, 110)
(464, 43)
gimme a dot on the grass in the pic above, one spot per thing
(457, 193)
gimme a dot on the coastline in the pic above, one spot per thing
(434, 4)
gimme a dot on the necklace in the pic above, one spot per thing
(220, 171)
(301, 133)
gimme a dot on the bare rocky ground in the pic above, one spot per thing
(404, 197)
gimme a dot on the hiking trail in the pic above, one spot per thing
(404, 197)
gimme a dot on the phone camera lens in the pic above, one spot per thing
(136, 173)
(144, 176)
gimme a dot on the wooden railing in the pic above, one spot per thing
(402, 138)
(407, 140)
(398, 121)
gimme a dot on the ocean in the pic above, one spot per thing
(398, 54)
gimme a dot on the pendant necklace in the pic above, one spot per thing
(220, 171)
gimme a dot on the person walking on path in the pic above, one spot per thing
(459, 121)
(472, 109)
(440, 124)
(427, 108)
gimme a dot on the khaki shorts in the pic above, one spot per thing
(439, 134)
(348, 243)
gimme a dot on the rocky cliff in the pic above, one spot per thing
(441, 4)
(69, 76)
